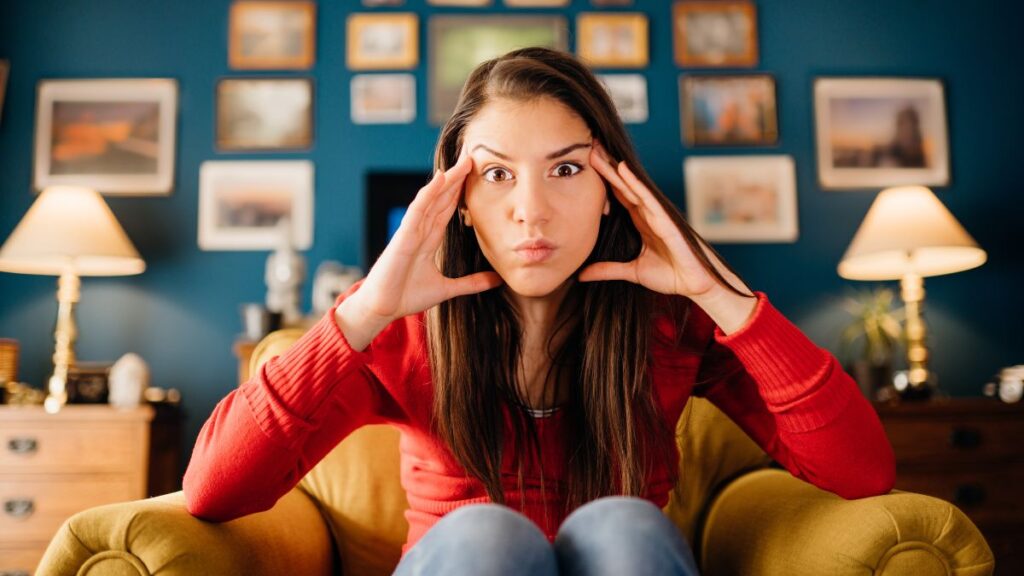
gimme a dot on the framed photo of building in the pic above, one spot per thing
(879, 132)
(629, 93)
(742, 198)
(383, 98)
(116, 136)
(612, 39)
(264, 114)
(242, 203)
(382, 41)
(457, 43)
(728, 110)
(716, 33)
(272, 35)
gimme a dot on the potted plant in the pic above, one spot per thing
(870, 342)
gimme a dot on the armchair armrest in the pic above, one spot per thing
(159, 536)
(769, 522)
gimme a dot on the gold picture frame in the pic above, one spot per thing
(269, 35)
(382, 41)
(613, 40)
(719, 33)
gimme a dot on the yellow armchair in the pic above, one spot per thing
(740, 515)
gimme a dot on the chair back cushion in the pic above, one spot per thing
(359, 492)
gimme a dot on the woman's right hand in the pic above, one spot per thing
(405, 279)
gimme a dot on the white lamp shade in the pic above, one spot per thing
(70, 229)
(909, 231)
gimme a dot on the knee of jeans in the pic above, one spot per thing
(621, 517)
(485, 525)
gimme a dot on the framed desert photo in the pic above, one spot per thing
(383, 98)
(116, 136)
(456, 44)
(742, 198)
(716, 33)
(5, 70)
(264, 113)
(629, 93)
(266, 35)
(879, 132)
(728, 110)
(382, 41)
(612, 40)
(242, 202)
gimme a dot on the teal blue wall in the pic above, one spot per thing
(182, 314)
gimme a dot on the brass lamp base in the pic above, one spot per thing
(68, 294)
(920, 383)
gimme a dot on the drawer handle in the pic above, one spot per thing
(969, 494)
(964, 438)
(22, 445)
(20, 508)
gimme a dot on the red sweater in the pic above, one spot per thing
(789, 395)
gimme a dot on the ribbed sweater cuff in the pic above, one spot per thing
(292, 387)
(788, 367)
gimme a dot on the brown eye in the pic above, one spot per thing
(567, 170)
(492, 175)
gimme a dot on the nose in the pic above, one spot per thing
(530, 202)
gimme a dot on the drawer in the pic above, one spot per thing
(32, 510)
(955, 441)
(93, 447)
(20, 561)
(987, 496)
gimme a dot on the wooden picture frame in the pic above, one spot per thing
(242, 201)
(458, 43)
(116, 136)
(613, 39)
(629, 94)
(382, 41)
(264, 114)
(879, 132)
(742, 198)
(383, 98)
(728, 110)
(717, 33)
(269, 35)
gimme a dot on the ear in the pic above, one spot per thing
(466, 220)
(607, 207)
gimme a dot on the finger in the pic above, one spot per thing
(473, 283)
(624, 194)
(423, 198)
(609, 271)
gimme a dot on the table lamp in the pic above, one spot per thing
(68, 231)
(909, 234)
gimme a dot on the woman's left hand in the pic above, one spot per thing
(666, 262)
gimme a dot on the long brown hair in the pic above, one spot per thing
(615, 429)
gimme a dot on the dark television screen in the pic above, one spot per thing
(388, 194)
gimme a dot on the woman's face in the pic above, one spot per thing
(532, 181)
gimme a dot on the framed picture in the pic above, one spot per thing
(879, 132)
(471, 3)
(728, 110)
(116, 136)
(720, 33)
(5, 70)
(272, 35)
(383, 98)
(383, 41)
(241, 203)
(612, 40)
(536, 3)
(456, 44)
(376, 3)
(629, 93)
(264, 113)
(742, 198)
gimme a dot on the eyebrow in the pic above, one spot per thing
(556, 154)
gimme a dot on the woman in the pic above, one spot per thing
(534, 329)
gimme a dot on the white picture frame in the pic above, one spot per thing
(116, 136)
(742, 199)
(879, 132)
(241, 202)
(629, 93)
(383, 98)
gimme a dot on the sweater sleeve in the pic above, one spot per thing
(794, 399)
(264, 436)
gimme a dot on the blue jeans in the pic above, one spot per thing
(615, 535)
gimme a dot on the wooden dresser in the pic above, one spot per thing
(969, 451)
(54, 465)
